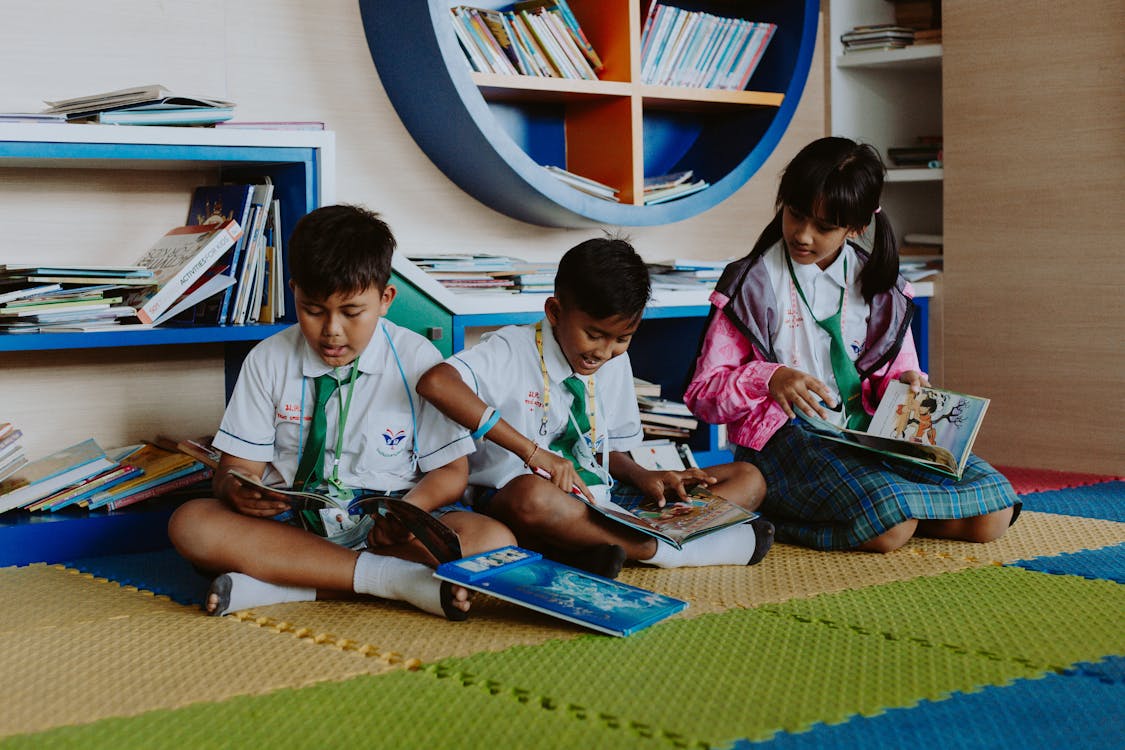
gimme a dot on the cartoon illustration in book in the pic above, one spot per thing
(213, 213)
(921, 412)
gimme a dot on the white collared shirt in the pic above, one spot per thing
(504, 371)
(798, 341)
(270, 411)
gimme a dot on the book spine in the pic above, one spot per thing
(204, 259)
(185, 481)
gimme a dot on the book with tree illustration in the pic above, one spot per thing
(934, 428)
(530, 580)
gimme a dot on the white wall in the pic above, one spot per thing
(278, 60)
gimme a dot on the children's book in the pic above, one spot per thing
(934, 428)
(214, 204)
(343, 515)
(45, 476)
(677, 522)
(528, 579)
(177, 260)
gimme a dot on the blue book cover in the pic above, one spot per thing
(530, 580)
(214, 204)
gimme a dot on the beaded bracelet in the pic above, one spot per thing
(488, 420)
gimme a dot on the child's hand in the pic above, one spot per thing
(387, 531)
(914, 379)
(249, 500)
(559, 472)
(659, 485)
(792, 388)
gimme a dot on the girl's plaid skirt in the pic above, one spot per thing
(826, 495)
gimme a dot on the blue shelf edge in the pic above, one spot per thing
(16, 342)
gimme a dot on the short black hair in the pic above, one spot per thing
(604, 278)
(340, 249)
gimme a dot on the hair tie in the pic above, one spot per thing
(878, 209)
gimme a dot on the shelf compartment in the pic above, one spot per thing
(920, 57)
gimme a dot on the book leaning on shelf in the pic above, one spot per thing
(934, 428)
(177, 260)
(45, 476)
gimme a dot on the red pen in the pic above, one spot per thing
(574, 489)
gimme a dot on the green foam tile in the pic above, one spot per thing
(1043, 621)
(407, 710)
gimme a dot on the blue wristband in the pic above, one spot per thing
(488, 424)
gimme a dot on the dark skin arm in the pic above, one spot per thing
(659, 486)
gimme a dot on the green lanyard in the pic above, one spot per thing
(843, 368)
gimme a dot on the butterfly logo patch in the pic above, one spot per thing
(393, 439)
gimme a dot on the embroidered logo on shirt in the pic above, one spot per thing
(393, 439)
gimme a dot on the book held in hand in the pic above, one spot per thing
(934, 428)
(677, 522)
(530, 580)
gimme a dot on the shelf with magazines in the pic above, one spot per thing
(494, 133)
(299, 164)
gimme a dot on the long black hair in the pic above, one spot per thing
(839, 181)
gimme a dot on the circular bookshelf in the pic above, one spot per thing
(492, 135)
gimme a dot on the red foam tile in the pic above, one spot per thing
(1042, 480)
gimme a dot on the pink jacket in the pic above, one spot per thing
(731, 382)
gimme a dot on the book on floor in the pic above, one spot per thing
(530, 580)
(177, 260)
(934, 428)
(37, 479)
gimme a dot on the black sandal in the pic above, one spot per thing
(763, 539)
(220, 587)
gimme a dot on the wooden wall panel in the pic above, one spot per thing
(1034, 97)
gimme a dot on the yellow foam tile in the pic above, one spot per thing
(47, 596)
(1033, 535)
(83, 672)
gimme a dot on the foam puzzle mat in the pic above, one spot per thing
(1016, 643)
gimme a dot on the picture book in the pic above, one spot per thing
(530, 580)
(678, 521)
(933, 428)
(45, 476)
(157, 466)
(214, 204)
(177, 260)
(343, 515)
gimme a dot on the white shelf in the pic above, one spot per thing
(915, 174)
(915, 57)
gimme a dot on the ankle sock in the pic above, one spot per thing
(236, 591)
(402, 580)
(734, 546)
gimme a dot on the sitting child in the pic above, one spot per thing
(564, 428)
(329, 405)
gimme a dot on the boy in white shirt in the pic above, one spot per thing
(329, 405)
(546, 424)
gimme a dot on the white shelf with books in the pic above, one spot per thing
(300, 164)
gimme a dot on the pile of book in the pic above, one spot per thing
(469, 273)
(534, 38)
(685, 273)
(12, 456)
(585, 184)
(920, 255)
(667, 187)
(142, 105)
(83, 475)
(692, 48)
(40, 298)
(927, 152)
(880, 36)
(662, 418)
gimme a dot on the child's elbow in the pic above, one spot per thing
(429, 385)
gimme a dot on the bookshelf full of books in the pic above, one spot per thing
(608, 102)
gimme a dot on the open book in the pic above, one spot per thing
(528, 579)
(933, 428)
(678, 522)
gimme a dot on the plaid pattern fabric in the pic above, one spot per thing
(826, 495)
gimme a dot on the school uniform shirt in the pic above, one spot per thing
(505, 371)
(270, 412)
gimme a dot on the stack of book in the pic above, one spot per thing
(927, 152)
(12, 456)
(662, 418)
(86, 476)
(585, 184)
(534, 38)
(920, 255)
(667, 187)
(142, 105)
(469, 273)
(881, 36)
(691, 48)
(41, 298)
(685, 273)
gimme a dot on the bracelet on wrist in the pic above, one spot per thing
(488, 420)
(534, 450)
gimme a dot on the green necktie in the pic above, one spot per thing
(310, 468)
(576, 428)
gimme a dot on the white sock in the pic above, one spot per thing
(392, 578)
(236, 591)
(733, 546)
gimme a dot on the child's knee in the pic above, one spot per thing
(189, 523)
(892, 538)
(531, 501)
(989, 527)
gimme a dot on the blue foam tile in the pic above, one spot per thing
(1105, 500)
(1080, 707)
(162, 572)
(1107, 563)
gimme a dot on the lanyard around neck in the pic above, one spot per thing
(590, 406)
(797, 284)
